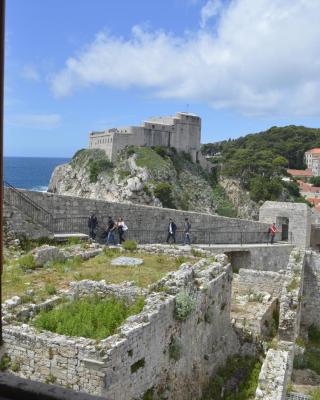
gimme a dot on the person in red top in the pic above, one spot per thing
(272, 232)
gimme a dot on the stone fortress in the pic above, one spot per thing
(181, 131)
(236, 286)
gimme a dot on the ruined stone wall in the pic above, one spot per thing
(261, 281)
(311, 291)
(126, 365)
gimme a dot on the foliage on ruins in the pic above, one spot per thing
(237, 380)
(311, 357)
(184, 305)
(260, 160)
(175, 348)
(102, 317)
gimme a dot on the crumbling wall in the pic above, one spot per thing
(261, 281)
(153, 351)
(311, 290)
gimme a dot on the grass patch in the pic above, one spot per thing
(5, 362)
(293, 285)
(315, 394)
(147, 157)
(130, 245)
(17, 281)
(102, 317)
(27, 262)
(239, 378)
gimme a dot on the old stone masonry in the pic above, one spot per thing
(221, 304)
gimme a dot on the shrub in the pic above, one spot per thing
(147, 190)
(15, 366)
(50, 289)
(299, 362)
(123, 174)
(27, 262)
(130, 245)
(102, 317)
(50, 379)
(315, 394)
(196, 253)
(315, 180)
(163, 191)
(161, 150)
(184, 305)
(130, 150)
(73, 240)
(98, 166)
(5, 362)
(175, 349)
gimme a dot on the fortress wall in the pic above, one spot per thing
(142, 357)
(144, 217)
(311, 291)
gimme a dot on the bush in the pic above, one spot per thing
(102, 317)
(27, 262)
(175, 349)
(315, 180)
(184, 306)
(130, 245)
(98, 166)
(163, 191)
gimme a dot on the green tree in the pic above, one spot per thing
(315, 180)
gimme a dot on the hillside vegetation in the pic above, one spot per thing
(260, 160)
(157, 176)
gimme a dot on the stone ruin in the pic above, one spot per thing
(231, 314)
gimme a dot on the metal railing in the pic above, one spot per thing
(24, 203)
(79, 224)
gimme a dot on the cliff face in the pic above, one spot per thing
(245, 207)
(158, 177)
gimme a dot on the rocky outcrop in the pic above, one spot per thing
(136, 178)
(245, 207)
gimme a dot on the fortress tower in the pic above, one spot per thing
(181, 131)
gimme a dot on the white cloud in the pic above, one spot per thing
(35, 121)
(209, 10)
(262, 58)
(30, 72)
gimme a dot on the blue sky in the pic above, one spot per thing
(77, 65)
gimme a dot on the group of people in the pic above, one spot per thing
(109, 231)
(120, 228)
(172, 228)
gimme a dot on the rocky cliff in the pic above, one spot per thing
(158, 177)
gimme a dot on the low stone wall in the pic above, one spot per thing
(311, 291)
(126, 365)
(274, 375)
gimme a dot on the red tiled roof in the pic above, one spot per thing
(316, 150)
(300, 172)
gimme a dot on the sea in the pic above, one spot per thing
(31, 173)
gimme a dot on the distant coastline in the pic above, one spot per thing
(31, 173)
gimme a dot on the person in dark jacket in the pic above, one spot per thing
(172, 227)
(111, 231)
(92, 225)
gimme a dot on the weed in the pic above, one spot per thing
(73, 240)
(148, 394)
(123, 174)
(50, 379)
(184, 305)
(27, 262)
(180, 260)
(315, 394)
(5, 362)
(130, 245)
(196, 253)
(102, 316)
(15, 366)
(175, 349)
(300, 342)
(50, 289)
(294, 284)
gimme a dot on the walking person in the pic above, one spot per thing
(92, 225)
(187, 228)
(122, 227)
(172, 227)
(272, 232)
(111, 231)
